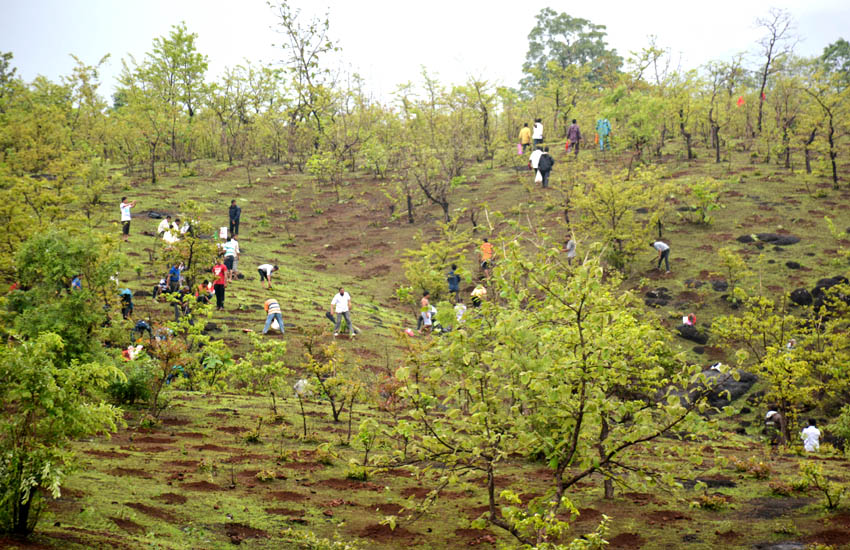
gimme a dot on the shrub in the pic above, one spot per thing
(133, 386)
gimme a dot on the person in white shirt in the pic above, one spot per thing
(811, 437)
(125, 217)
(265, 271)
(231, 255)
(571, 250)
(534, 161)
(341, 305)
(537, 132)
(163, 226)
(663, 253)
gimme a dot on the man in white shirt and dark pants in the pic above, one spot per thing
(125, 217)
(663, 253)
(341, 305)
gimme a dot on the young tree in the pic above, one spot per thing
(778, 40)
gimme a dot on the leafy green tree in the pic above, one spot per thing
(567, 41)
(564, 369)
(836, 59)
(264, 368)
(48, 401)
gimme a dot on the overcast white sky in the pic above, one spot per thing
(388, 41)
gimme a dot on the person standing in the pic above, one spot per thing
(454, 282)
(125, 217)
(574, 136)
(663, 253)
(603, 128)
(272, 308)
(234, 214)
(811, 437)
(537, 134)
(486, 257)
(174, 278)
(341, 305)
(231, 254)
(219, 284)
(525, 137)
(544, 165)
(571, 250)
(265, 272)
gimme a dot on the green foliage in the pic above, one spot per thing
(327, 169)
(426, 268)
(840, 427)
(564, 369)
(134, 385)
(735, 270)
(832, 491)
(48, 401)
(310, 541)
(704, 198)
(264, 368)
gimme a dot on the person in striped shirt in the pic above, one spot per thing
(273, 313)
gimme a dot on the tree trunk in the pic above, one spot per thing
(603, 435)
(409, 208)
(715, 138)
(153, 163)
(807, 152)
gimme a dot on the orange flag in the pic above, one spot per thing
(740, 101)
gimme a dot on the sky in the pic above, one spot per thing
(389, 41)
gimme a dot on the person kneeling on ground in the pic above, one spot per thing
(273, 313)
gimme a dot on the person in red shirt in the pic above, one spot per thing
(220, 281)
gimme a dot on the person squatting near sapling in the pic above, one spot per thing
(164, 225)
(811, 437)
(341, 305)
(265, 271)
(574, 137)
(273, 313)
(544, 166)
(234, 214)
(204, 292)
(126, 217)
(454, 282)
(537, 134)
(219, 283)
(478, 294)
(663, 253)
(424, 306)
(525, 137)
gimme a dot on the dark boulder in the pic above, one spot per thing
(658, 297)
(745, 239)
(779, 240)
(689, 332)
(699, 350)
(211, 327)
(156, 215)
(792, 265)
(720, 286)
(141, 293)
(694, 283)
(722, 383)
(642, 210)
(801, 297)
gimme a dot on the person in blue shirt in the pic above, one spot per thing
(76, 283)
(174, 278)
(454, 282)
(603, 128)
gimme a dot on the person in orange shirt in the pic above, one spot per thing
(486, 257)
(273, 313)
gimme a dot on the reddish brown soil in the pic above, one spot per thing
(6, 542)
(217, 448)
(106, 454)
(588, 514)
(152, 439)
(288, 496)
(152, 512)
(382, 533)
(232, 429)
(175, 422)
(182, 463)
(190, 435)
(388, 509)
(418, 492)
(239, 532)
(728, 535)
(203, 486)
(626, 541)
(134, 472)
(171, 498)
(312, 466)
(832, 537)
(238, 459)
(474, 537)
(126, 524)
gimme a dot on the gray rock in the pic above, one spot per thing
(801, 297)
(689, 332)
(780, 240)
(792, 265)
(727, 383)
(720, 286)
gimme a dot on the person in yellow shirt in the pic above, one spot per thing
(486, 257)
(525, 137)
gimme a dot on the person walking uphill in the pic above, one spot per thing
(234, 214)
(126, 217)
(603, 128)
(663, 253)
(273, 312)
(219, 283)
(574, 137)
(341, 305)
(537, 134)
(544, 165)
(525, 137)
(454, 282)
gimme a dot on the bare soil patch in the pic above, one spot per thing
(772, 508)
(832, 537)
(350, 484)
(216, 448)
(383, 533)
(106, 454)
(152, 439)
(289, 512)
(203, 486)
(664, 516)
(474, 537)
(153, 512)
(128, 525)
(626, 541)
(239, 532)
(134, 472)
(171, 498)
(287, 496)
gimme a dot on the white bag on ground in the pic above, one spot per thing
(275, 325)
